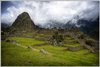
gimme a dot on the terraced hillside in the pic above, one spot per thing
(36, 51)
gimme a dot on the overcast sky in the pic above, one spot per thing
(42, 12)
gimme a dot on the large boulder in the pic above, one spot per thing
(43, 51)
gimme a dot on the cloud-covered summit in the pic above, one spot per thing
(42, 12)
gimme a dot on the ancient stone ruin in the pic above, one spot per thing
(56, 39)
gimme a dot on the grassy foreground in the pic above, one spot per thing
(13, 55)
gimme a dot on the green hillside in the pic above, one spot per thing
(23, 55)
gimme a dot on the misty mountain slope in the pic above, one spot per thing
(91, 28)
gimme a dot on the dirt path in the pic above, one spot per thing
(20, 45)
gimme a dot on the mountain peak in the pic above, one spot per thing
(23, 23)
(24, 13)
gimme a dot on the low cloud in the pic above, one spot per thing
(41, 12)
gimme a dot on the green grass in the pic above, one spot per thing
(72, 58)
(26, 41)
(14, 55)
(73, 45)
(70, 39)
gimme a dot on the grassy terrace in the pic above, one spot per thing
(16, 55)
